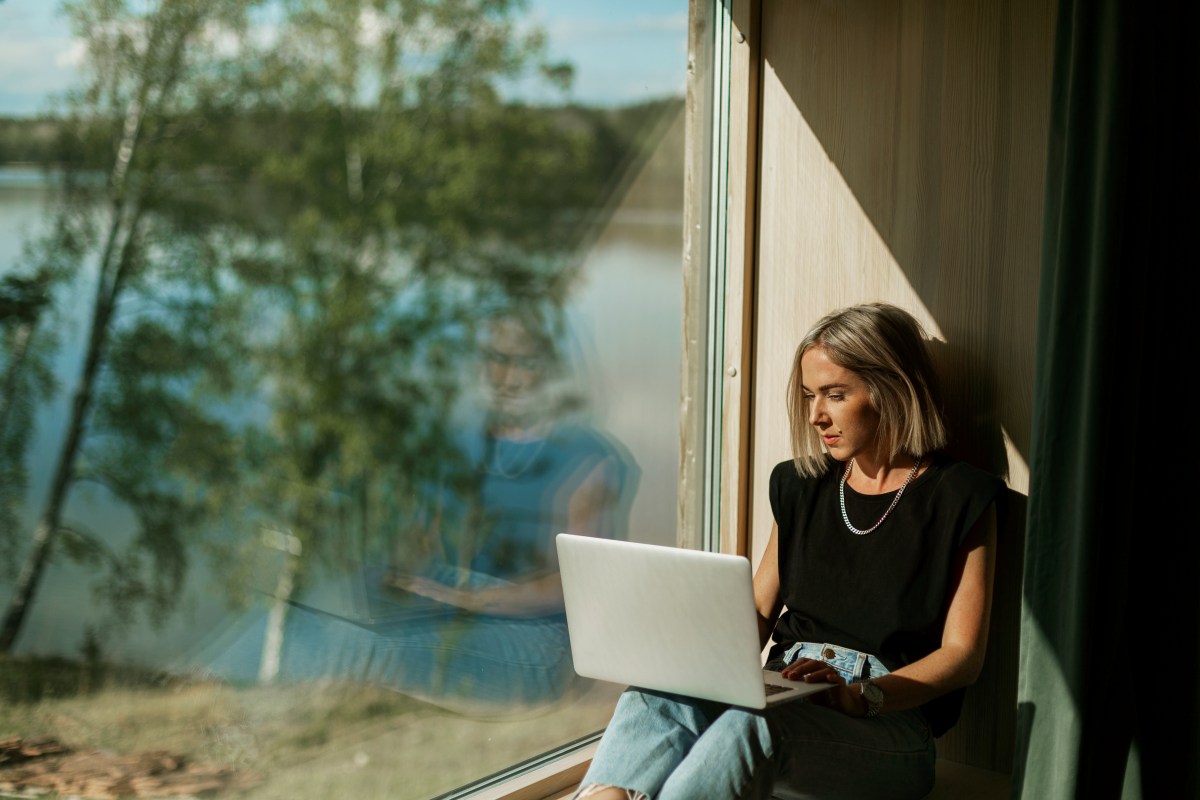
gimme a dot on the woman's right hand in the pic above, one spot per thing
(810, 670)
(840, 696)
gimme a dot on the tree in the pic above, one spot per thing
(302, 224)
(400, 189)
(148, 289)
(25, 379)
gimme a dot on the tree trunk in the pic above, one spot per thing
(124, 225)
(268, 668)
(43, 539)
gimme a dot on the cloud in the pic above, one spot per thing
(39, 65)
(72, 55)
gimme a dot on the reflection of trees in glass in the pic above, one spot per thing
(150, 349)
(292, 232)
(25, 379)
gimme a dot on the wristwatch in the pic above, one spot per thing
(873, 695)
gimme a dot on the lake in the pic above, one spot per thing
(627, 328)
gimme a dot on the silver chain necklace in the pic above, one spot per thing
(842, 497)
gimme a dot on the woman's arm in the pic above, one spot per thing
(533, 598)
(540, 596)
(767, 592)
(957, 662)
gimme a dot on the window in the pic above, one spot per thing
(387, 294)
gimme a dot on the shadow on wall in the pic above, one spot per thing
(936, 115)
(971, 410)
(986, 732)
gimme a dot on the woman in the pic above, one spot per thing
(533, 468)
(468, 614)
(882, 554)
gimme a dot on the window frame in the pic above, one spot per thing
(719, 254)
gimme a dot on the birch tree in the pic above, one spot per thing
(151, 279)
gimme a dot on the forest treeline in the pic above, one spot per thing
(619, 139)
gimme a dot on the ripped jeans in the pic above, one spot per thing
(669, 747)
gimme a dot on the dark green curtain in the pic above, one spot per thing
(1108, 701)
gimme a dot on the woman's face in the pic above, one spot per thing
(838, 405)
(513, 367)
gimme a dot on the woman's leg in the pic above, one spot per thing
(649, 735)
(474, 664)
(734, 759)
(799, 750)
(672, 748)
(665, 747)
(471, 663)
(826, 755)
(466, 663)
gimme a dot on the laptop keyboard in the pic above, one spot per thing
(774, 688)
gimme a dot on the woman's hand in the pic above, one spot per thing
(531, 599)
(840, 696)
(434, 590)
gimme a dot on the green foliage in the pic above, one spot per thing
(30, 680)
(27, 342)
(28, 140)
(288, 239)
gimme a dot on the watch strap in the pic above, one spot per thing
(874, 697)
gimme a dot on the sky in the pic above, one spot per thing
(623, 50)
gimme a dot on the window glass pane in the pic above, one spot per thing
(318, 320)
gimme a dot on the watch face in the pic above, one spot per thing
(874, 697)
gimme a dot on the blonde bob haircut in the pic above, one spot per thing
(886, 347)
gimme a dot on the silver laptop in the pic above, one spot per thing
(669, 619)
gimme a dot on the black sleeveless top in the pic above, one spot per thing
(885, 592)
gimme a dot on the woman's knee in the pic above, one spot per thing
(745, 725)
(692, 715)
(734, 758)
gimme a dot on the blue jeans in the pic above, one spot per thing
(666, 747)
(468, 663)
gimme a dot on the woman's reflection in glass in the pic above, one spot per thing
(468, 613)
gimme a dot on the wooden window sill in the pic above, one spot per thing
(554, 781)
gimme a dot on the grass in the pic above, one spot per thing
(313, 741)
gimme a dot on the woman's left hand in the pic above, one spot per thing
(840, 696)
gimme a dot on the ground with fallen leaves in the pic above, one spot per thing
(103, 738)
(30, 766)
